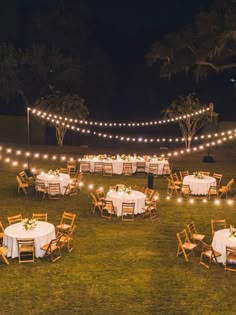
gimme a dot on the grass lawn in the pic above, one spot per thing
(119, 267)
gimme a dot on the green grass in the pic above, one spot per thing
(119, 267)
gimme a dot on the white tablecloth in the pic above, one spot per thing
(118, 197)
(42, 234)
(62, 179)
(118, 165)
(199, 186)
(222, 238)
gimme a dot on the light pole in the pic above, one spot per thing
(28, 135)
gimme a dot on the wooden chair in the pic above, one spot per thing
(218, 178)
(40, 216)
(127, 169)
(67, 221)
(127, 212)
(96, 204)
(15, 219)
(98, 168)
(26, 179)
(107, 169)
(3, 254)
(66, 239)
(205, 173)
(217, 225)
(154, 196)
(194, 235)
(175, 178)
(185, 247)
(151, 210)
(26, 250)
(85, 167)
(1, 232)
(185, 191)
(22, 185)
(140, 168)
(52, 249)
(108, 209)
(225, 190)
(182, 174)
(208, 254)
(100, 194)
(71, 167)
(230, 261)
(172, 188)
(167, 169)
(148, 192)
(54, 191)
(40, 188)
(63, 170)
(153, 169)
(120, 187)
(212, 192)
(73, 187)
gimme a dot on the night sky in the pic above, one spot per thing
(118, 84)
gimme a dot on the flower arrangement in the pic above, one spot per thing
(128, 190)
(232, 231)
(198, 174)
(54, 172)
(29, 224)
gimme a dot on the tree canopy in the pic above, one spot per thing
(209, 45)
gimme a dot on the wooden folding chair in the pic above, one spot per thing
(108, 209)
(196, 237)
(185, 247)
(208, 254)
(107, 169)
(26, 250)
(127, 213)
(127, 169)
(3, 254)
(217, 225)
(54, 191)
(1, 232)
(230, 261)
(15, 219)
(67, 221)
(52, 249)
(40, 216)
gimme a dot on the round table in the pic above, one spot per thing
(199, 186)
(42, 234)
(222, 238)
(62, 178)
(134, 196)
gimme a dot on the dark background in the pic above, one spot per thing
(112, 39)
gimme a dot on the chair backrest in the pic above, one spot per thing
(153, 169)
(14, 219)
(186, 190)
(217, 225)
(40, 216)
(85, 167)
(68, 218)
(20, 182)
(183, 173)
(98, 168)
(192, 229)
(26, 249)
(206, 173)
(218, 178)
(1, 228)
(230, 261)
(100, 194)
(23, 176)
(140, 167)
(149, 192)
(127, 168)
(128, 211)
(54, 190)
(107, 169)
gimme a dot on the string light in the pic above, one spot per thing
(53, 117)
(141, 139)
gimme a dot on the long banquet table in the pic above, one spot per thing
(134, 196)
(42, 234)
(199, 186)
(117, 164)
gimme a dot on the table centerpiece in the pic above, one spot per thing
(29, 224)
(55, 172)
(198, 174)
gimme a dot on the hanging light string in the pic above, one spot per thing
(65, 120)
(54, 120)
(12, 156)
